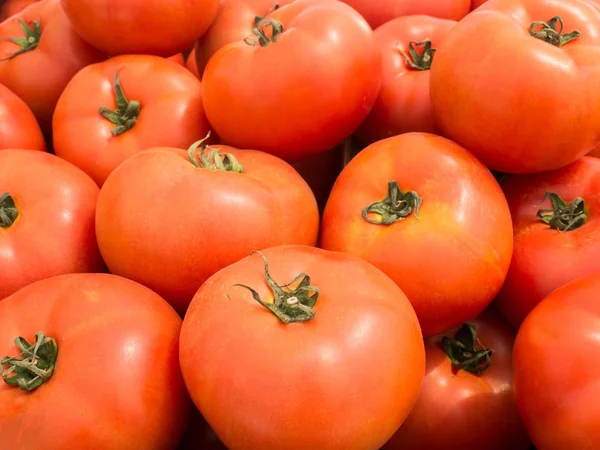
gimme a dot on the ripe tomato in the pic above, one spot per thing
(199, 435)
(428, 214)
(518, 102)
(556, 365)
(467, 396)
(477, 3)
(408, 46)
(9, 8)
(122, 106)
(307, 377)
(190, 63)
(18, 127)
(116, 384)
(170, 220)
(47, 209)
(177, 58)
(295, 93)
(557, 236)
(160, 28)
(38, 69)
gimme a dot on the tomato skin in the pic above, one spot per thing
(477, 3)
(108, 329)
(292, 365)
(191, 65)
(177, 58)
(457, 409)
(403, 104)
(171, 112)
(18, 126)
(160, 28)
(556, 365)
(460, 247)
(272, 113)
(478, 102)
(11, 7)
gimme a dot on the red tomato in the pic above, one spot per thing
(379, 12)
(557, 237)
(160, 28)
(477, 3)
(428, 214)
(199, 435)
(116, 384)
(556, 365)
(191, 64)
(467, 398)
(122, 106)
(18, 127)
(295, 93)
(38, 70)
(488, 98)
(9, 8)
(47, 209)
(337, 365)
(177, 58)
(408, 46)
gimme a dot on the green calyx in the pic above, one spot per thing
(396, 206)
(126, 114)
(552, 32)
(563, 216)
(466, 352)
(420, 55)
(213, 160)
(32, 32)
(259, 33)
(259, 19)
(8, 210)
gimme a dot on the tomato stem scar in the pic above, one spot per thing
(420, 54)
(396, 206)
(8, 210)
(464, 350)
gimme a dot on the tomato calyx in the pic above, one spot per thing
(290, 304)
(396, 206)
(213, 160)
(259, 19)
(32, 32)
(466, 352)
(8, 210)
(552, 32)
(260, 36)
(420, 55)
(563, 216)
(126, 115)
(33, 366)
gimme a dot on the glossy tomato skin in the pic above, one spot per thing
(171, 112)
(458, 409)
(160, 28)
(18, 126)
(54, 231)
(301, 95)
(9, 8)
(403, 104)
(450, 261)
(545, 258)
(478, 101)
(117, 357)
(308, 370)
(556, 366)
(39, 76)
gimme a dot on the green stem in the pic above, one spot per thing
(126, 115)
(33, 366)
(32, 33)
(420, 55)
(260, 37)
(8, 210)
(213, 160)
(552, 32)
(290, 305)
(466, 352)
(396, 206)
(259, 19)
(563, 216)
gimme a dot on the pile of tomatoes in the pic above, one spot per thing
(315, 224)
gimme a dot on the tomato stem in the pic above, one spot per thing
(33, 366)
(551, 32)
(126, 115)
(213, 160)
(563, 216)
(32, 33)
(259, 19)
(464, 351)
(396, 206)
(290, 305)
(8, 210)
(420, 55)
(260, 36)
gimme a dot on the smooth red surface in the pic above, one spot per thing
(18, 126)
(11, 7)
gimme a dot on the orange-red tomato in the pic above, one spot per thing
(177, 58)
(107, 375)
(433, 218)
(122, 106)
(9, 8)
(334, 360)
(477, 3)
(18, 126)
(190, 64)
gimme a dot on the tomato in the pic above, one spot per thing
(234, 22)
(556, 365)
(177, 58)
(467, 398)
(9, 8)
(39, 70)
(477, 3)
(160, 28)
(199, 435)
(47, 209)
(18, 127)
(105, 350)
(408, 46)
(383, 11)
(122, 106)
(433, 218)
(557, 234)
(333, 360)
(190, 63)
(295, 93)
(527, 105)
